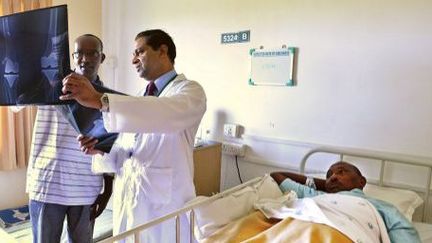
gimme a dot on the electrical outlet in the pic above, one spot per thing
(235, 149)
(231, 130)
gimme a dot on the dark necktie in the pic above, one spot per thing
(151, 89)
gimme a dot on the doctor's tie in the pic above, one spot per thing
(151, 89)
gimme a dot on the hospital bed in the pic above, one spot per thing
(383, 171)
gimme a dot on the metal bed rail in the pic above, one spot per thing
(176, 214)
(383, 158)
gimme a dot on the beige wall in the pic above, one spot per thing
(363, 68)
(84, 16)
(12, 188)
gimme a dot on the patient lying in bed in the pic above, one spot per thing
(331, 210)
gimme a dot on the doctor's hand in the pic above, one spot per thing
(77, 87)
(87, 145)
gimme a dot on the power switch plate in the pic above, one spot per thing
(231, 130)
(235, 149)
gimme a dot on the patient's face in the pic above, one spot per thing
(343, 176)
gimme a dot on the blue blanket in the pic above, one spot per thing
(14, 216)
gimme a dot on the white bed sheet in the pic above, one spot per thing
(425, 231)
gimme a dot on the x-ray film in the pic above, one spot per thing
(34, 56)
(88, 121)
(34, 59)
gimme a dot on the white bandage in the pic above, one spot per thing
(310, 182)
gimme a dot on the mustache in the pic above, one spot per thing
(86, 66)
(335, 183)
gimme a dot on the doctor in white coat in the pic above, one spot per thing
(153, 155)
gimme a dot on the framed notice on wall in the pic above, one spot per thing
(272, 66)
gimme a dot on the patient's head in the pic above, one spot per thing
(343, 176)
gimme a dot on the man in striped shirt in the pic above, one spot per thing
(60, 182)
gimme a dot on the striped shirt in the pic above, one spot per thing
(58, 171)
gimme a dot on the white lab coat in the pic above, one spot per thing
(158, 177)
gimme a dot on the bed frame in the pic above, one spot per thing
(343, 153)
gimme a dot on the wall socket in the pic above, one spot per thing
(231, 130)
(235, 149)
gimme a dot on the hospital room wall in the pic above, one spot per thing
(363, 70)
(84, 17)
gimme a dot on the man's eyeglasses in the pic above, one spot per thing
(88, 54)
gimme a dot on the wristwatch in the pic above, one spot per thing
(105, 103)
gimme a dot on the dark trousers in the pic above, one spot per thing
(47, 222)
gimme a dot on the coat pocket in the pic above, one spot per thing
(158, 184)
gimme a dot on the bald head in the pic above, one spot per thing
(91, 36)
(88, 55)
(343, 176)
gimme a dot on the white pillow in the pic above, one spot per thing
(268, 188)
(405, 201)
(213, 216)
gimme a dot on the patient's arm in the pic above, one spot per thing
(280, 176)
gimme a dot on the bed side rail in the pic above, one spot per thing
(176, 214)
